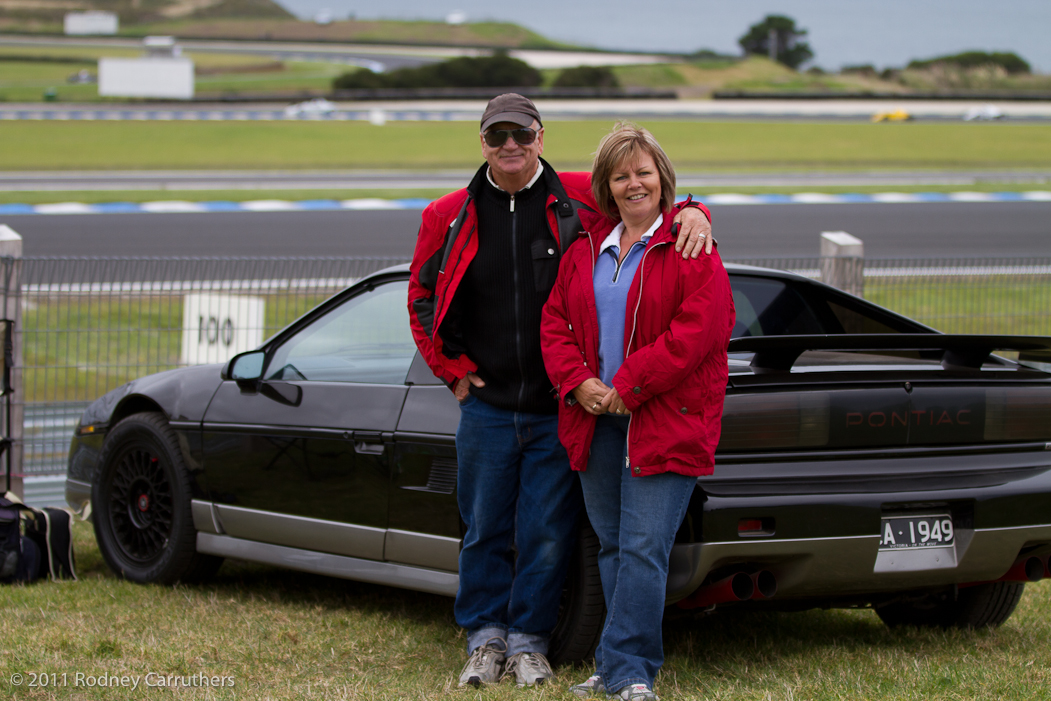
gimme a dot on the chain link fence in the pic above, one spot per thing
(92, 324)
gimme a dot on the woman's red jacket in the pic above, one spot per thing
(678, 321)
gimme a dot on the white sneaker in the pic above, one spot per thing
(484, 666)
(637, 692)
(592, 687)
(529, 668)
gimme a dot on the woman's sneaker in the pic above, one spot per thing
(485, 665)
(528, 668)
(636, 692)
(592, 687)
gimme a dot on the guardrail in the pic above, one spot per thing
(91, 324)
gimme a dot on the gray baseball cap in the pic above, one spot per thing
(510, 107)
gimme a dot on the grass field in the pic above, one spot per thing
(440, 145)
(286, 635)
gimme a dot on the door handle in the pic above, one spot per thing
(369, 443)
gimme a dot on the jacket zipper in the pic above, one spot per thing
(438, 297)
(594, 262)
(631, 338)
(620, 261)
(518, 316)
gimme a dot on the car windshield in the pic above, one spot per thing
(365, 339)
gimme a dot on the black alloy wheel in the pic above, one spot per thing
(140, 504)
(140, 498)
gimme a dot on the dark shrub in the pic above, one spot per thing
(362, 78)
(1009, 61)
(867, 70)
(497, 71)
(587, 77)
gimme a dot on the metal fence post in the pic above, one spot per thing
(843, 262)
(11, 254)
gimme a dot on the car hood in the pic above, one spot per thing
(182, 394)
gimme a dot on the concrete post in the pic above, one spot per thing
(843, 262)
(771, 45)
(11, 269)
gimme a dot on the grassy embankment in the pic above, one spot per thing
(26, 72)
(487, 34)
(504, 35)
(285, 635)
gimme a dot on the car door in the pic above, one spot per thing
(303, 458)
(424, 526)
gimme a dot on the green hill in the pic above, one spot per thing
(262, 19)
(16, 14)
(477, 34)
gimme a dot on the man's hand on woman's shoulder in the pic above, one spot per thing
(695, 233)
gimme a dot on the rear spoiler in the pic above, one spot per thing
(779, 353)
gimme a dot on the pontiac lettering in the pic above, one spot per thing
(923, 417)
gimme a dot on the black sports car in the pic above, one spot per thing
(865, 460)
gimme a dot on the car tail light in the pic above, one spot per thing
(764, 421)
(1018, 414)
(755, 527)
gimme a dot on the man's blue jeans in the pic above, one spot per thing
(516, 491)
(636, 519)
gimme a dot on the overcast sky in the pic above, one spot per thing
(841, 32)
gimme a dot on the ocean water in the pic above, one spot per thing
(840, 32)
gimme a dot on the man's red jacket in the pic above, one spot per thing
(446, 245)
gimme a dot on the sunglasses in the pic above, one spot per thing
(496, 138)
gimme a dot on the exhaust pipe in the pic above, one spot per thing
(736, 587)
(765, 585)
(1029, 569)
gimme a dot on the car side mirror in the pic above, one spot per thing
(245, 367)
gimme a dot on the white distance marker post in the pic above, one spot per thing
(215, 327)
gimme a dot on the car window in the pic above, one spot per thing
(770, 308)
(856, 322)
(365, 339)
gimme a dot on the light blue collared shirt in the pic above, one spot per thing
(612, 280)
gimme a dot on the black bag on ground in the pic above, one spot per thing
(52, 531)
(45, 547)
(10, 541)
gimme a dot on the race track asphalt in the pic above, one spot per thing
(916, 230)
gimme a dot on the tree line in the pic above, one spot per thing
(776, 36)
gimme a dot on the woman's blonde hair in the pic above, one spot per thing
(626, 142)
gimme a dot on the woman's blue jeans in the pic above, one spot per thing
(516, 492)
(636, 519)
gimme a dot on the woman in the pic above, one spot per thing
(634, 339)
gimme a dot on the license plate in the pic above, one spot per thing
(906, 532)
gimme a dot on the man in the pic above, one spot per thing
(486, 259)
